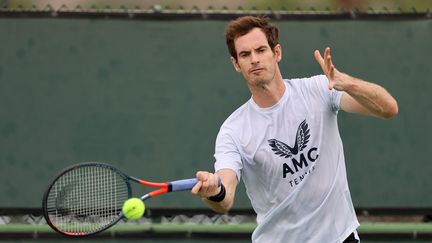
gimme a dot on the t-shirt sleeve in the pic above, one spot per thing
(227, 154)
(331, 97)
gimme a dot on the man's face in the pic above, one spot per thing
(255, 59)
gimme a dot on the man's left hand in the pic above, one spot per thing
(337, 79)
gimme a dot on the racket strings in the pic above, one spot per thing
(86, 199)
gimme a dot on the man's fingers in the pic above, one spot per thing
(207, 184)
(196, 188)
(202, 175)
(327, 52)
(210, 180)
(328, 63)
(318, 56)
(211, 184)
(320, 60)
(325, 62)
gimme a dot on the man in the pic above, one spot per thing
(285, 144)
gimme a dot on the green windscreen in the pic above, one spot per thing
(149, 97)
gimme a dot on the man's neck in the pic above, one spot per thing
(268, 95)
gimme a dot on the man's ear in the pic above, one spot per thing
(278, 52)
(235, 64)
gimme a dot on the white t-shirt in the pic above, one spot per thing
(290, 157)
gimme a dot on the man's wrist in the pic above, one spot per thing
(346, 83)
(220, 196)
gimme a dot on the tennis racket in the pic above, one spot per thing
(87, 198)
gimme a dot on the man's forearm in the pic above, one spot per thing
(374, 98)
(219, 207)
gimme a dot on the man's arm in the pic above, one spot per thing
(358, 96)
(208, 186)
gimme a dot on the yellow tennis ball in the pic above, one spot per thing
(133, 208)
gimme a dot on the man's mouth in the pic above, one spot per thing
(256, 70)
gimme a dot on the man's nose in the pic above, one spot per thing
(254, 58)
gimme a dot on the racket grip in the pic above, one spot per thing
(186, 184)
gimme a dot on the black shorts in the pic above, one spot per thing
(351, 239)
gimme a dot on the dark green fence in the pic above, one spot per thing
(149, 97)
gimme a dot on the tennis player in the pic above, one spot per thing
(284, 142)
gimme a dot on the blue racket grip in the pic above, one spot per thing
(186, 184)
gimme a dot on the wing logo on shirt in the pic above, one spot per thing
(302, 138)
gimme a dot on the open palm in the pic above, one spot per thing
(333, 75)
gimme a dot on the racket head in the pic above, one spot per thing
(86, 198)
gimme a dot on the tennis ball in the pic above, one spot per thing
(133, 208)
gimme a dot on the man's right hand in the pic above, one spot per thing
(207, 185)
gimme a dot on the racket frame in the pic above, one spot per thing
(164, 187)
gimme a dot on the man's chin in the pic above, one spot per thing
(260, 82)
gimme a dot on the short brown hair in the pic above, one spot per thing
(243, 25)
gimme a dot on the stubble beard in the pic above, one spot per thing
(263, 82)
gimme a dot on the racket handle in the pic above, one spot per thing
(186, 184)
